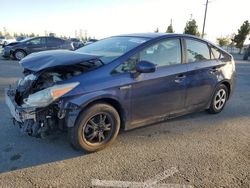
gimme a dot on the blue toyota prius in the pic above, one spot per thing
(119, 83)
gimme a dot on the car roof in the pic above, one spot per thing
(160, 35)
(165, 35)
(144, 35)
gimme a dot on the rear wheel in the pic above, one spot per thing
(219, 99)
(245, 57)
(96, 128)
(19, 54)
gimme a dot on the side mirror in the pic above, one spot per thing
(145, 67)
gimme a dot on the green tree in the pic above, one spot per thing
(157, 30)
(191, 28)
(1, 34)
(223, 41)
(32, 35)
(170, 29)
(240, 38)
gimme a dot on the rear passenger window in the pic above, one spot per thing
(54, 42)
(197, 51)
(163, 53)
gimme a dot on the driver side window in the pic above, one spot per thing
(37, 41)
(163, 53)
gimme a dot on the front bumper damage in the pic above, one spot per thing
(19, 113)
(40, 122)
(6, 52)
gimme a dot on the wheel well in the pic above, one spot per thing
(114, 103)
(228, 87)
(13, 52)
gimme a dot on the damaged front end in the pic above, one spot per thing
(38, 105)
(35, 104)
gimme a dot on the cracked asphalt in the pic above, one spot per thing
(208, 150)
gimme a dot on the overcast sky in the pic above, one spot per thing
(103, 18)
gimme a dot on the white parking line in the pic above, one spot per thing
(147, 184)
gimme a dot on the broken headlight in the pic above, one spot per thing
(47, 96)
(30, 77)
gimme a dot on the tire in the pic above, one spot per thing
(19, 54)
(96, 128)
(219, 99)
(245, 57)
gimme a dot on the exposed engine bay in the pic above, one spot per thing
(37, 96)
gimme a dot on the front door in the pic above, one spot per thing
(36, 45)
(158, 94)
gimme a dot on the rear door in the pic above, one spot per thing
(54, 43)
(202, 74)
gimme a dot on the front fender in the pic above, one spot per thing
(84, 100)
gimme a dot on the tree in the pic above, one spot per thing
(170, 29)
(240, 38)
(191, 28)
(157, 30)
(223, 41)
(1, 34)
(32, 35)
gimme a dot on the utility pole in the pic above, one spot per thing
(204, 22)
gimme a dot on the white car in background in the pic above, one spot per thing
(4, 41)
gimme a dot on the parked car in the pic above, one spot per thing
(18, 50)
(246, 53)
(77, 43)
(120, 82)
(20, 38)
(1, 40)
(90, 41)
(4, 41)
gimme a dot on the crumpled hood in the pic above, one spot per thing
(13, 43)
(47, 59)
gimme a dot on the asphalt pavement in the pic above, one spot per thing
(196, 150)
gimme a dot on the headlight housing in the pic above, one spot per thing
(23, 81)
(47, 96)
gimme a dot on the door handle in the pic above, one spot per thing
(213, 70)
(179, 78)
(125, 87)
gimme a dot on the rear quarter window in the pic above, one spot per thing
(218, 54)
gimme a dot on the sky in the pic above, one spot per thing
(104, 18)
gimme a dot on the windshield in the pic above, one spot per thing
(112, 48)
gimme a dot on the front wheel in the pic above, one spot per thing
(219, 99)
(96, 128)
(19, 54)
